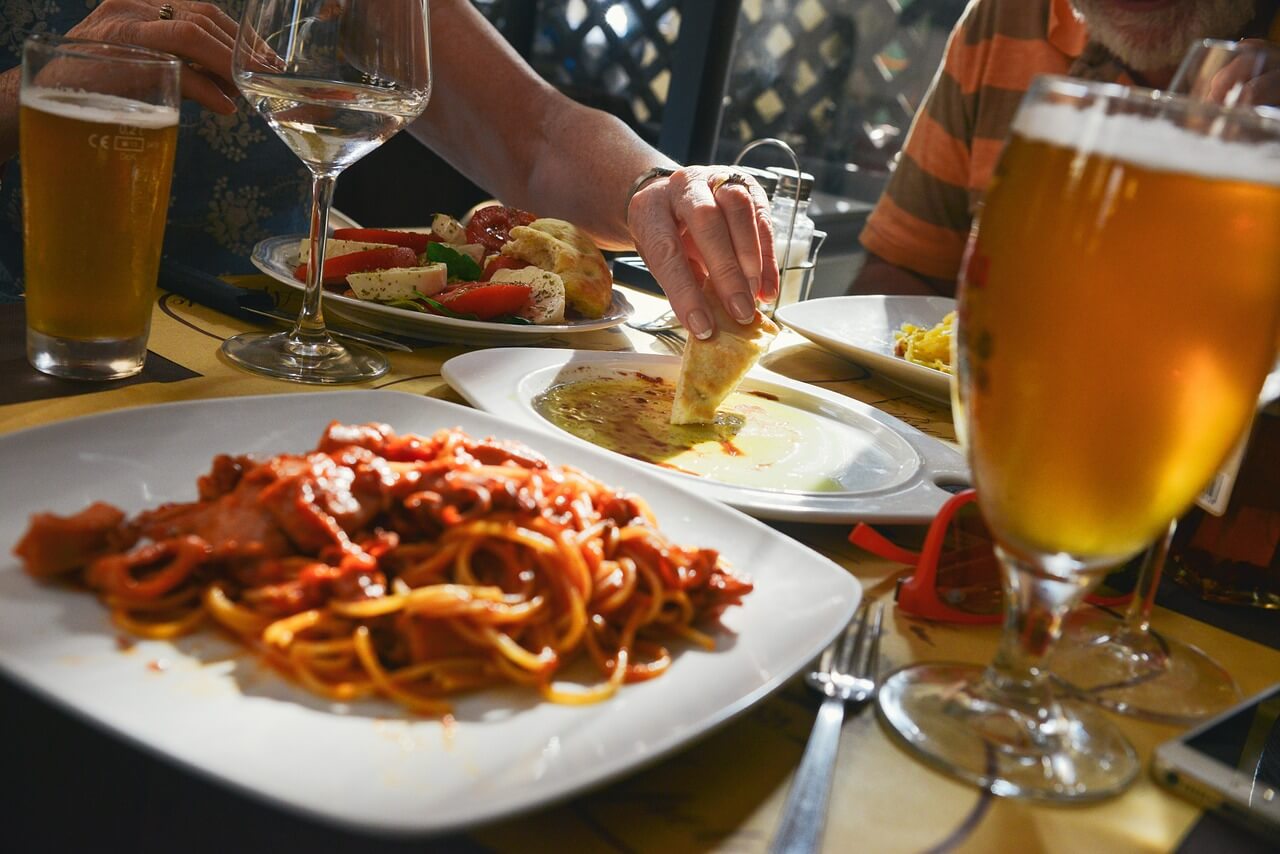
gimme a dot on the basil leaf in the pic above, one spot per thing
(460, 266)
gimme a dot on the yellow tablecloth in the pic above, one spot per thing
(726, 792)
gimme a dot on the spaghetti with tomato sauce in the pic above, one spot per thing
(404, 566)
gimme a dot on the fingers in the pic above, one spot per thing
(1263, 91)
(207, 91)
(770, 282)
(739, 212)
(1252, 78)
(696, 226)
(215, 16)
(191, 41)
(659, 242)
(695, 206)
(226, 39)
(210, 84)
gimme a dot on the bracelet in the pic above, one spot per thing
(651, 174)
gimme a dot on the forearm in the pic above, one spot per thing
(878, 276)
(587, 180)
(513, 134)
(9, 113)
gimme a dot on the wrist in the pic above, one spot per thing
(643, 180)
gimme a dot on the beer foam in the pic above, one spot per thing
(1150, 142)
(98, 108)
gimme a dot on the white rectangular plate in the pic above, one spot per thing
(893, 473)
(860, 328)
(207, 703)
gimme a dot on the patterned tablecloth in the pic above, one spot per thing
(723, 793)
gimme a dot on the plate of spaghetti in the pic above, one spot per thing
(429, 626)
(905, 339)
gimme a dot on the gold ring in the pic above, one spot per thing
(733, 178)
(166, 12)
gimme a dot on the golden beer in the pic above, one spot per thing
(1119, 309)
(95, 181)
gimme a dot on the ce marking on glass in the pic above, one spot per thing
(126, 140)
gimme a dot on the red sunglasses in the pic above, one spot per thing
(957, 574)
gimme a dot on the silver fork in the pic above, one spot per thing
(666, 320)
(673, 338)
(847, 676)
(666, 329)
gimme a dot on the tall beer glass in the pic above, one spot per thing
(1119, 309)
(1125, 664)
(98, 125)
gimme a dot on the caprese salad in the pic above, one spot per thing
(453, 270)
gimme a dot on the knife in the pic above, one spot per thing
(208, 290)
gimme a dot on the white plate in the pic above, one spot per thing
(894, 478)
(369, 765)
(861, 328)
(278, 257)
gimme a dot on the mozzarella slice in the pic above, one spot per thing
(546, 293)
(400, 283)
(334, 247)
(475, 250)
(448, 229)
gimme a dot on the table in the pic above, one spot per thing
(73, 788)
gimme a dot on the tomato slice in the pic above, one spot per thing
(502, 262)
(491, 226)
(485, 300)
(337, 268)
(412, 239)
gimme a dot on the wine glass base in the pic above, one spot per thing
(1143, 674)
(947, 716)
(322, 360)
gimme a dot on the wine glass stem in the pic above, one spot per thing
(1035, 605)
(310, 325)
(1138, 617)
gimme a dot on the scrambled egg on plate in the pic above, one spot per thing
(930, 346)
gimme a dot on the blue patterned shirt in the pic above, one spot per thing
(234, 181)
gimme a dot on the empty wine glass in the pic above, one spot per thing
(334, 80)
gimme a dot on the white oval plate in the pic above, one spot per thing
(860, 329)
(217, 710)
(278, 257)
(898, 476)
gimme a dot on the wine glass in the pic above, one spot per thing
(1126, 666)
(1123, 664)
(334, 80)
(1234, 74)
(1117, 315)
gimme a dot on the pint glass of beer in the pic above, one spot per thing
(98, 125)
(1119, 309)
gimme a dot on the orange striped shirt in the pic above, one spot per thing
(922, 221)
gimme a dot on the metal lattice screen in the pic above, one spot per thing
(838, 79)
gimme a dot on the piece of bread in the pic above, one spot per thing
(565, 250)
(712, 368)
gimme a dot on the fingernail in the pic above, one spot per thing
(754, 284)
(700, 324)
(742, 307)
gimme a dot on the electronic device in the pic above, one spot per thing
(1230, 764)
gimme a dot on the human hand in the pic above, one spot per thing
(701, 224)
(201, 34)
(1251, 79)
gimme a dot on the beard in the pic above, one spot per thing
(1158, 39)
